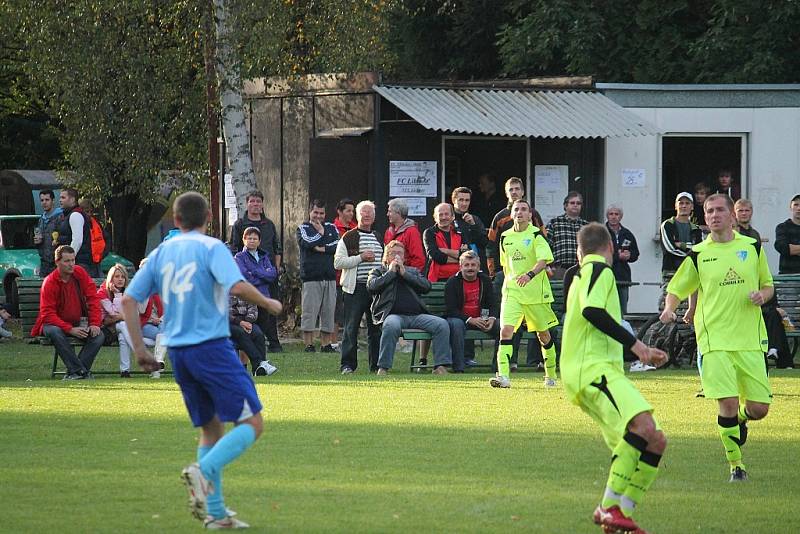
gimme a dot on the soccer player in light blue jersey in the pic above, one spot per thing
(194, 274)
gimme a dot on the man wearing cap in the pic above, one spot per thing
(787, 240)
(678, 234)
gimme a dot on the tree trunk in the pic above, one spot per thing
(128, 214)
(234, 129)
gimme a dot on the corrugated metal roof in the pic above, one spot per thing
(570, 114)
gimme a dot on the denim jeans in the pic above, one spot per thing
(458, 329)
(623, 298)
(437, 327)
(355, 306)
(253, 344)
(76, 364)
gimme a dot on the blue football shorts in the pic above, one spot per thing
(214, 382)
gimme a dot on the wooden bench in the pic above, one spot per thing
(434, 301)
(787, 289)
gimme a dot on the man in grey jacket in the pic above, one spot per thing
(396, 305)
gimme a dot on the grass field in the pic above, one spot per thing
(407, 453)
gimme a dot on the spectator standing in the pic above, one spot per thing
(317, 241)
(69, 307)
(272, 247)
(743, 210)
(473, 231)
(443, 244)
(405, 230)
(396, 305)
(470, 305)
(75, 231)
(49, 223)
(257, 269)
(626, 251)
(678, 234)
(562, 234)
(787, 240)
(247, 336)
(490, 201)
(344, 221)
(726, 185)
(701, 192)
(358, 252)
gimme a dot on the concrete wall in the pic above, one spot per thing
(772, 171)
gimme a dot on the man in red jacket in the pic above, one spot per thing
(405, 230)
(69, 307)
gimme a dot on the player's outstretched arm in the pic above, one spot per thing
(130, 311)
(249, 293)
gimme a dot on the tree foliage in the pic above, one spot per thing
(654, 41)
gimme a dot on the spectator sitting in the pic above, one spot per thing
(51, 219)
(110, 296)
(247, 335)
(679, 234)
(470, 304)
(5, 316)
(473, 231)
(271, 245)
(256, 267)
(69, 307)
(396, 305)
(405, 230)
(317, 241)
(356, 255)
(443, 244)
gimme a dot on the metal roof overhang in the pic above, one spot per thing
(517, 113)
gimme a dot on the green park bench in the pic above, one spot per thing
(29, 290)
(434, 301)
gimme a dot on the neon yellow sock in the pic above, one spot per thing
(549, 356)
(729, 433)
(504, 352)
(623, 466)
(644, 476)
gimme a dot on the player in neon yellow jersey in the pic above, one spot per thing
(731, 276)
(594, 379)
(524, 254)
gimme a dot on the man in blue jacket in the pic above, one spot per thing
(255, 265)
(317, 241)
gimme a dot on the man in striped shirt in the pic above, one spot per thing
(358, 252)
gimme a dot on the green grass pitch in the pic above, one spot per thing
(407, 453)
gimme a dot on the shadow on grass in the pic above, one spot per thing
(120, 473)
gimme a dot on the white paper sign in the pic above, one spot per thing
(412, 178)
(233, 215)
(633, 178)
(230, 196)
(417, 207)
(551, 184)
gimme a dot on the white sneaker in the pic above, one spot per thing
(198, 488)
(223, 524)
(347, 371)
(155, 374)
(265, 368)
(335, 346)
(549, 382)
(500, 382)
(4, 332)
(639, 367)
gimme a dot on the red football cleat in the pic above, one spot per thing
(614, 521)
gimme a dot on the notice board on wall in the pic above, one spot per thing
(551, 186)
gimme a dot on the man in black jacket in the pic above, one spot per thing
(396, 305)
(75, 231)
(469, 304)
(473, 231)
(626, 251)
(679, 234)
(271, 244)
(787, 240)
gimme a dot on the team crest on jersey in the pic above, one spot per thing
(732, 278)
(527, 242)
(741, 254)
(517, 256)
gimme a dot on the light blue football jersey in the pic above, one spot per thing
(193, 274)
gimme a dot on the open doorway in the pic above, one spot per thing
(691, 159)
